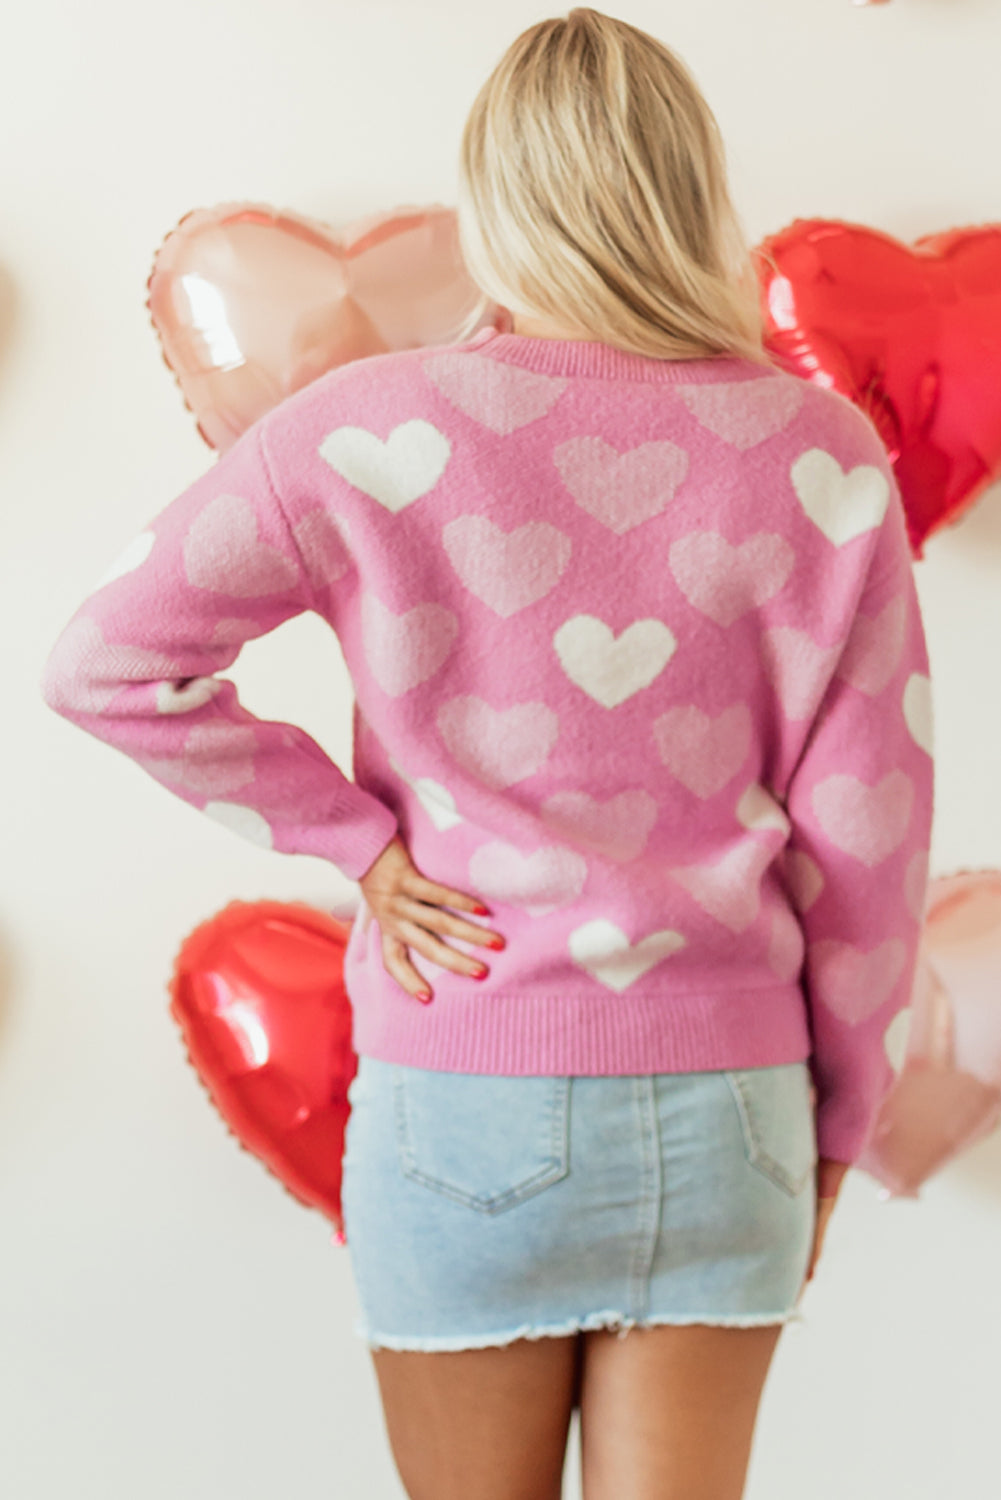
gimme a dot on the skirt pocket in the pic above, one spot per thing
(486, 1140)
(775, 1106)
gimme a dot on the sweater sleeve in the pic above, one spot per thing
(137, 666)
(860, 805)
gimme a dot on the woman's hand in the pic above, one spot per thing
(408, 909)
(830, 1175)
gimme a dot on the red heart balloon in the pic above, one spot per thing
(251, 303)
(258, 992)
(912, 335)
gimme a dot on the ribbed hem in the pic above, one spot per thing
(584, 357)
(577, 1033)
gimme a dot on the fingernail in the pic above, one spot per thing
(481, 911)
(424, 995)
(495, 942)
(481, 972)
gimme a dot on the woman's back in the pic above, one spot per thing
(637, 657)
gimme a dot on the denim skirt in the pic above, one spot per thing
(482, 1208)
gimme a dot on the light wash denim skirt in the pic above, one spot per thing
(483, 1208)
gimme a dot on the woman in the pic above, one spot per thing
(638, 661)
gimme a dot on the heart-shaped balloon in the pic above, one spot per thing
(258, 992)
(251, 303)
(947, 1094)
(911, 334)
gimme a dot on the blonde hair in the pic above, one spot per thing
(593, 192)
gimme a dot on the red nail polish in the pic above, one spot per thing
(495, 942)
(482, 973)
(424, 995)
(481, 911)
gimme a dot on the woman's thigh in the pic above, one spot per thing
(668, 1413)
(491, 1423)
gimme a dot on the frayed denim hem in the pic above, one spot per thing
(597, 1320)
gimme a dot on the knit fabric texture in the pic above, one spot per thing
(637, 658)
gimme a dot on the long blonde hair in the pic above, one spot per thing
(592, 191)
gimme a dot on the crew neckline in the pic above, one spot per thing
(585, 357)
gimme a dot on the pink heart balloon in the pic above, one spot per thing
(947, 1095)
(251, 303)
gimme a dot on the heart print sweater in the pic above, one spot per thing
(637, 658)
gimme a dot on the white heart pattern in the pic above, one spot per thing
(184, 696)
(918, 711)
(843, 505)
(436, 800)
(133, 556)
(395, 471)
(604, 950)
(761, 812)
(542, 881)
(611, 669)
(246, 821)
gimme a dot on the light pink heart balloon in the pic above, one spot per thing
(251, 303)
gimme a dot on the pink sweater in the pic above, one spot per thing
(638, 659)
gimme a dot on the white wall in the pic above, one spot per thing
(171, 1321)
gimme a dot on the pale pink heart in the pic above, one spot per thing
(500, 746)
(867, 822)
(234, 631)
(786, 944)
(507, 570)
(320, 537)
(501, 396)
(872, 654)
(621, 490)
(403, 651)
(617, 828)
(215, 758)
(916, 884)
(853, 984)
(542, 881)
(222, 553)
(747, 412)
(84, 672)
(702, 751)
(797, 668)
(804, 878)
(729, 887)
(724, 581)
